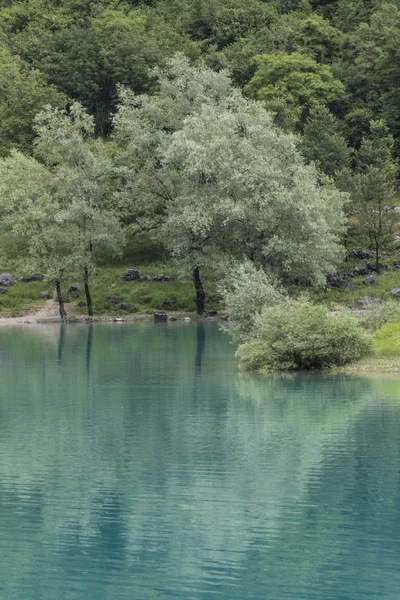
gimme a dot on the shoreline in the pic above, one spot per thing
(37, 319)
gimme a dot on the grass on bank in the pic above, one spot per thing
(21, 299)
(141, 296)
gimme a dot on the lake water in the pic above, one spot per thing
(137, 463)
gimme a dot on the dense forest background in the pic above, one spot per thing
(326, 68)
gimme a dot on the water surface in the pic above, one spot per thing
(137, 463)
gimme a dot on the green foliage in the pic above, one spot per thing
(380, 316)
(209, 172)
(246, 291)
(372, 191)
(23, 93)
(292, 85)
(297, 335)
(387, 340)
(323, 143)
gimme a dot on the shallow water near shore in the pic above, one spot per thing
(137, 462)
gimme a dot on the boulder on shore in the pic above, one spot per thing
(368, 302)
(35, 277)
(7, 280)
(375, 267)
(131, 275)
(361, 254)
(370, 280)
(160, 316)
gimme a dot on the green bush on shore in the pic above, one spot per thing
(297, 335)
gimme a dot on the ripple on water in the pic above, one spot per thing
(136, 462)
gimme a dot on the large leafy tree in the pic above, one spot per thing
(82, 179)
(33, 239)
(371, 186)
(212, 174)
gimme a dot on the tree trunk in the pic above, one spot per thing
(87, 293)
(200, 295)
(377, 256)
(63, 314)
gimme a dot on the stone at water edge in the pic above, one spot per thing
(160, 316)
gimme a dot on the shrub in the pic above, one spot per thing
(247, 291)
(380, 316)
(297, 335)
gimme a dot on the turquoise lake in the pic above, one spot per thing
(137, 463)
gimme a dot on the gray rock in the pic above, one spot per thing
(376, 268)
(335, 281)
(81, 304)
(172, 319)
(75, 287)
(114, 300)
(370, 280)
(395, 292)
(212, 313)
(30, 278)
(7, 280)
(148, 278)
(3, 290)
(396, 267)
(113, 285)
(131, 275)
(159, 277)
(160, 316)
(45, 295)
(359, 271)
(124, 306)
(361, 254)
(368, 302)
